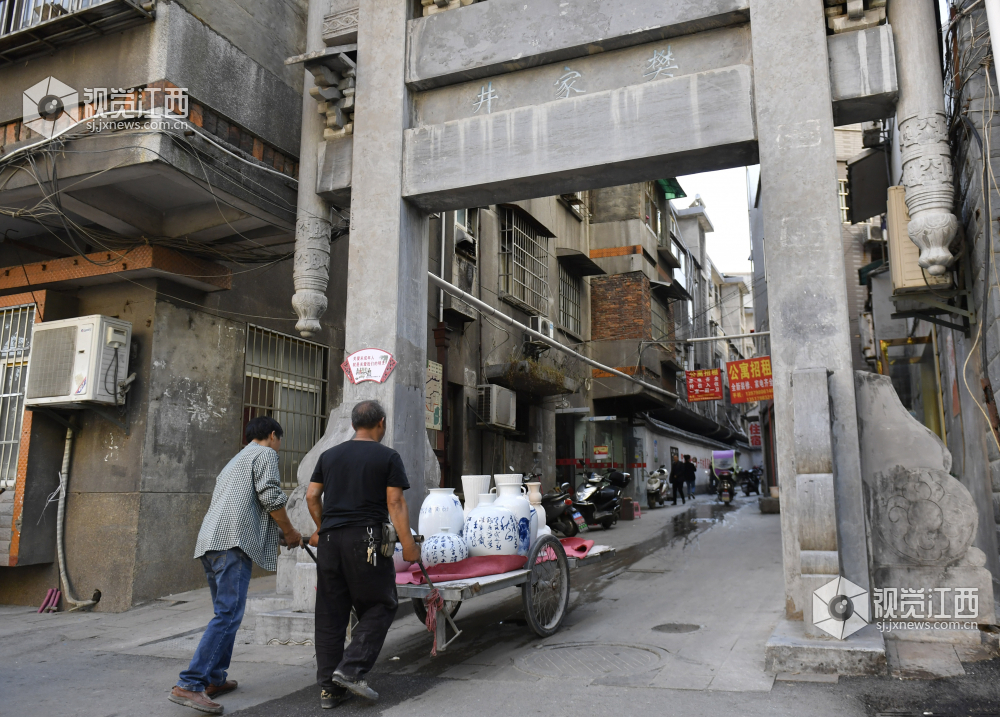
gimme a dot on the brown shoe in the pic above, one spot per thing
(213, 691)
(194, 700)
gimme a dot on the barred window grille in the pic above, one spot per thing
(570, 289)
(842, 192)
(286, 380)
(660, 320)
(524, 263)
(15, 344)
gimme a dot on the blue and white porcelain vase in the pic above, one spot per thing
(441, 509)
(443, 547)
(512, 498)
(490, 530)
(397, 557)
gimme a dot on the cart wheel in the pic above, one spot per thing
(546, 593)
(420, 610)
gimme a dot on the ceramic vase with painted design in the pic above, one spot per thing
(512, 498)
(491, 530)
(443, 547)
(473, 487)
(441, 509)
(397, 557)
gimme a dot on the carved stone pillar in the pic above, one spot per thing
(923, 133)
(311, 273)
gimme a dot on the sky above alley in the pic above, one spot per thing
(725, 196)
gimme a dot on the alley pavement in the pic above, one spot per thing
(675, 624)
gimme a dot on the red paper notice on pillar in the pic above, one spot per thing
(750, 380)
(704, 385)
(368, 365)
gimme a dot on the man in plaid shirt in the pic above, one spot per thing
(240, 528)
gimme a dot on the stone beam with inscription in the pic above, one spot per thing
(500, 36)
(661, 109)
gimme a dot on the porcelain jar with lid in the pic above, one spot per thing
(443, 547)
(491, 530)
(512, 498)
(441, 509)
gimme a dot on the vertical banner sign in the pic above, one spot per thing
(755, 435)
(432, 401)
(750, 380)
(368, 365)
(704, 385)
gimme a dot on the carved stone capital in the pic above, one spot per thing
(928, 176)
(311, 272)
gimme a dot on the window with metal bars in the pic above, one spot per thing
(842, 192)
(285, 378)
(660, 320)
(570, 290)
(15, 345)
(524, 262)
(651, 208)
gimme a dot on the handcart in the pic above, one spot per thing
(544, 583)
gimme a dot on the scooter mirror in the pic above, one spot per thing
(565, 487)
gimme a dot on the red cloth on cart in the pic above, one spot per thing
(577, 547)
(475, 567)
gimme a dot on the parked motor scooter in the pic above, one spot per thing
(559, 511)
(723, 463)
(657, 487)
(599, 500)
(750, 480)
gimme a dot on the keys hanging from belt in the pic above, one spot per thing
(372, 548)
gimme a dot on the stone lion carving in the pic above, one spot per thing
(925, 515)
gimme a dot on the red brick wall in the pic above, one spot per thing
(619, 307)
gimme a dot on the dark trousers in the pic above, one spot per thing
(678, 491)
(345, 579)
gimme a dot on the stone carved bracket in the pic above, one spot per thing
(928, 178)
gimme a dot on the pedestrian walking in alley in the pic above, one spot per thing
(239, 529)
(677, 476)
(690, 475)
(356, 489)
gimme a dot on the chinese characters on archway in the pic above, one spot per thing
(749, 381)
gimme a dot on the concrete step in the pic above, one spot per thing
(266, 602)
(285, 627)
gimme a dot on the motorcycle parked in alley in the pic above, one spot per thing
(657, 487)
(723, 464)
(559, 511)
(599, 500)
(750, 480)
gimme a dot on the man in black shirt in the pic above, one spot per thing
(356, 487)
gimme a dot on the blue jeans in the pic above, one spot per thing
(228, 573)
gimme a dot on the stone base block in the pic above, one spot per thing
(952, 578)
(769, 505)
(285, 627)
(790, 650)
(304, 588)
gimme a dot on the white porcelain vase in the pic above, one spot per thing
(534, 492)
(512, 498)
(443, 547)
(491, 530)
(507, 479)
(441, 509)
(397, 557)
(473, 487)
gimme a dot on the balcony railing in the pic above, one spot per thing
(30, 28)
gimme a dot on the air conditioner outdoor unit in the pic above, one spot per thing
(496, 406)
(542, 325)
(77, 361)
(906, 273)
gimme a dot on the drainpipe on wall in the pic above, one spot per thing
(311, 272)
(923, 133)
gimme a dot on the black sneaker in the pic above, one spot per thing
(329, 699)
(358, 686)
